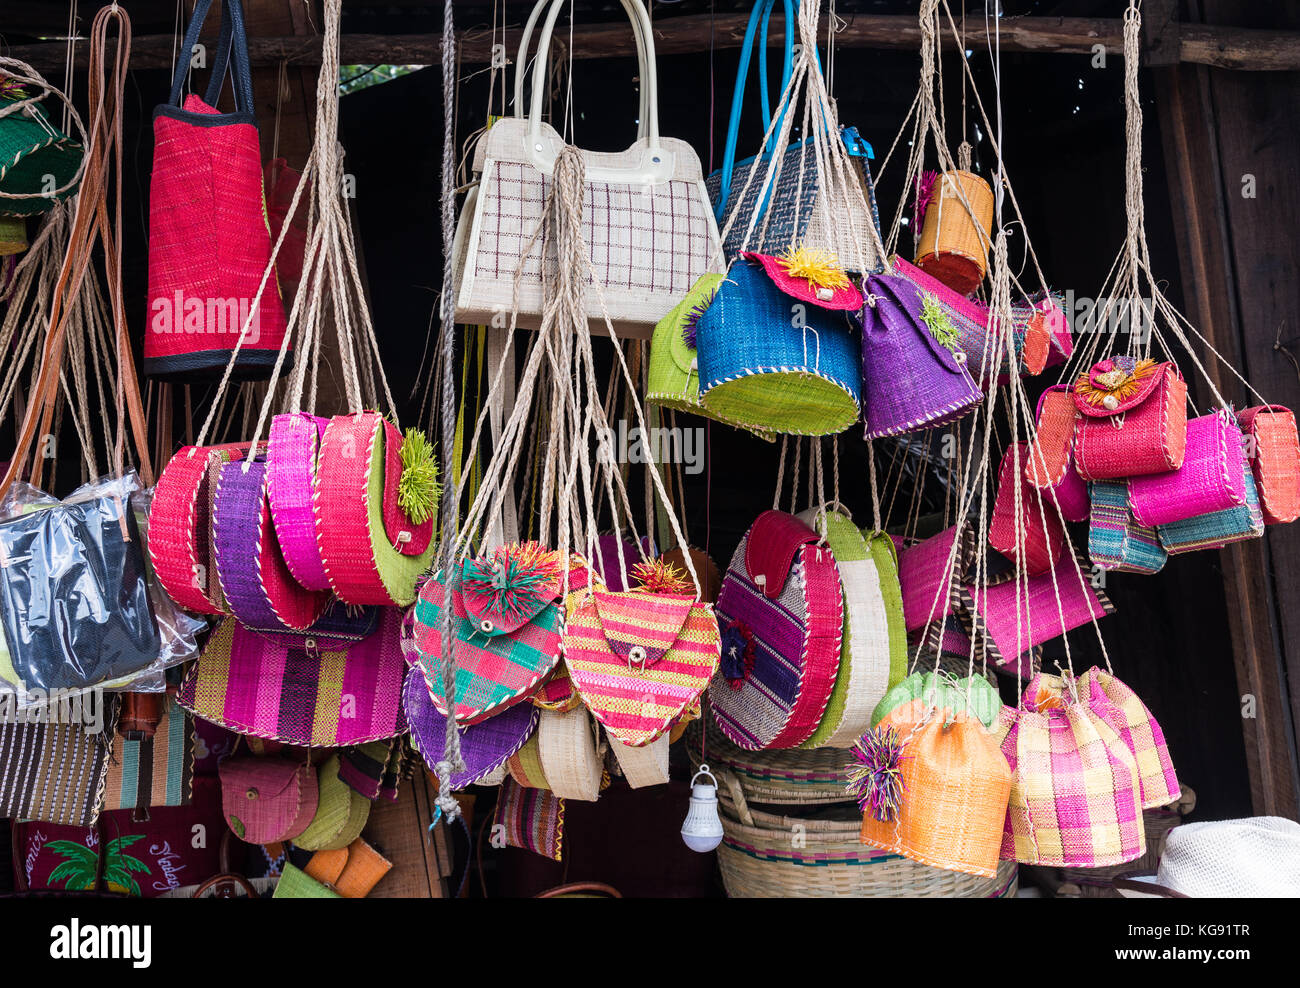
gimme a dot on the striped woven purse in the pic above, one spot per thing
(291, 455)
(1115, 540)
(1217, 528)
(781, 614)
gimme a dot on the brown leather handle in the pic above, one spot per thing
(91, 217)
(228, 879)
(600, 887)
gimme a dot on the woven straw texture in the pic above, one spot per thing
(638, 660)
(910, 380)
(557, 692)
(1218, 528)
(1139, 730)
(290, 485)
(52, 772)
(772, 363)
(525, 765)
(180, 526)
(643, 766)
(350, 501)
(1149, 438)
(532, 819)
(1075, 797)
(31, 148)
(954, 244)
(923, 572)
(1211, 477)
(13, 235)
(566, 747)
(352, 871)
(1039, 540)
(156, 771)
(266, 800)
(295, 883)
(341, 812)
(943, 691)
(1115, 540)
(1096, 883)
(1049, 465)
(674, 380)
(955, 789)
(791, 776)
(493, 670)
(258, 587)
(1274, 449)
(871, 661)
(278, 688)
(485, 746)
(796, 640)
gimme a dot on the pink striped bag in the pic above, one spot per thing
(1211, 478)
(781, 615)
(1139, 730)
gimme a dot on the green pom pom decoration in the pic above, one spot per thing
(938, 323)
(419, 490)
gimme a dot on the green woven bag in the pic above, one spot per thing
(34, 153)
(943, 690)
(341, 813)
(295, 883)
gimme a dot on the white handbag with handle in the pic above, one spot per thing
(646, 218)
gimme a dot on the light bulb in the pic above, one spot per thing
(702, 829)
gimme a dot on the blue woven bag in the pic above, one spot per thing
(773, 362)
(1217, 528)
(1115, 540)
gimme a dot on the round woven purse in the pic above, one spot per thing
(372, 551)
(569, 756)
(341, 812)
(781, 614)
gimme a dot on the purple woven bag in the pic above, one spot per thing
(910, 380)
(1212, 477)
(485, 746)
(291, 481)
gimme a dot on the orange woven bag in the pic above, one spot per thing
(955, 787)
(1274, 451)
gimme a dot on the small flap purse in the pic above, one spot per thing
(340, 814)
(265, 800)
(1115, 540)
(1035, 540)
(1273, 447)
(1211, 478)
(1133, 419)
(1049, 464)
(351, 871)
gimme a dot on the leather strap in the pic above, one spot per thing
(91, 218)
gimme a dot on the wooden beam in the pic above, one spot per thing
(1224, 47)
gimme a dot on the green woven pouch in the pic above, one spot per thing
(295, 883)
(30, 149)
(943, 691)
(885, 553)
(341, 813)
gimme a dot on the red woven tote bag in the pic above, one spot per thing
(209, 241)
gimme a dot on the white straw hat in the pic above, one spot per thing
(1257, 857)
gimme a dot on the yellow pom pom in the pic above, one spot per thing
(819, 267)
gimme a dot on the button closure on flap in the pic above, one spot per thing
(252, 793)
(636, 656)
(486, 626)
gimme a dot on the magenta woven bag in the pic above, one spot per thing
(290, 486)
(1133, 419)
(781, 614)
(1038, 541)
(1049, 466)
(209, 240)
(267, 800)
(1212, 477)
(928, 582)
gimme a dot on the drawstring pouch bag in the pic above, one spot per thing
(941, 690)
(1075, 794)
(914, 374)
(506, 623)
(1273, 447)
(1139, 730)
(209, 239)
(781, 614)
(1211, 478)
(771, 361)
(1049, 464)
(333, 686)
(1217, 528)
(641, 657)
(933, 787)
(291, 455)
(873, 653)
(1036, 539)
(1133, 419)
(1115, 540)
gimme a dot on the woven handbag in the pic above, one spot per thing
(53, 772)
(33, 152)
(1133, 419)
(372, 550)
(1008, 620)
(914, 377)
(531, 818)
(209, 239)
(1218, 528)
(180, 518)
(571, 760)
(929, 581)
(1075, 793)
(940, 690)
(1049, 464)
(1274, 450)
(952, 802)
(507, 631)
(266, 800)
(639, 658)
(317, 689)
(781, 612)
(1211, 478)
(795, 209)
(153, 771)
(486, 746)
(1037, 539)
(341, 812)
(255, 581)
(1115, 540)
(773, 362)
(642, 766)
(955, 230)
(873, 654)
(352, 871)
(291, 453)
(647, 223)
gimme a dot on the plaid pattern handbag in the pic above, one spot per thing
(646, 218)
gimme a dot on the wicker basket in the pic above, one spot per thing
(787, 776)
(765, 855)
(1095, 883)
(954, 245)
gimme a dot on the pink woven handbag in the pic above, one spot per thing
(209, 241)
(290, 489)
(1037, 542)
(1211, 478)
(1274, 450)
(928, 581)
(1049, 464)
(270, 799)
(781, 614)
(1134, 419)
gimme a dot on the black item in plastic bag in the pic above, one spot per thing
(76, 608)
